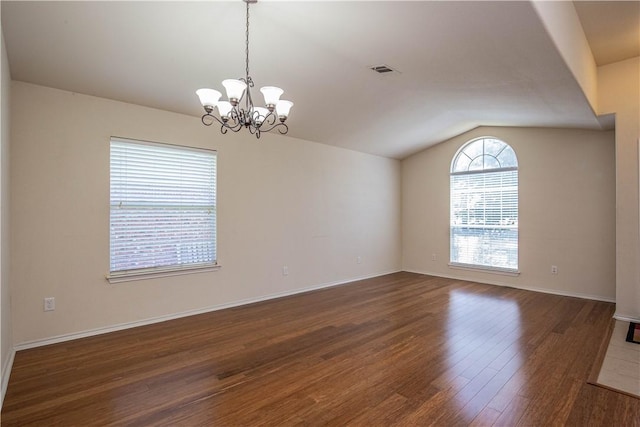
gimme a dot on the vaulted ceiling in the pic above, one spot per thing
(459, 64)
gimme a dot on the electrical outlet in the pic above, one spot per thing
(359, 260)
(49, 304)
(434, 257)
(285, 270)
(554, 269)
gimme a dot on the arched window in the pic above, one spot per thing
(484, 205)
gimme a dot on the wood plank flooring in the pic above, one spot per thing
(401, 349)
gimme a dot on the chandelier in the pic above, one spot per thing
(239, 111)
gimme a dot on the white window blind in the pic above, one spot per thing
(484, 206)
(163, 207)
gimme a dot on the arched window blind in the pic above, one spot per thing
(163, 207)
(484, 206)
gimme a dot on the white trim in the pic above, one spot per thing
(626, 318)
(6, 373)
(461, 149)
(130, 276)
(98, 331)
(525, 288)
(494, 270)
(127, 140)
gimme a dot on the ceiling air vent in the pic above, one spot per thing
(382, 69)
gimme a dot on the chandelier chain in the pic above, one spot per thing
(247, 44)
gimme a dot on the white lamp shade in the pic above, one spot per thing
(271, 94)
(235, 88)
(208, 97)
(224, 107)
(283, 108)
(259, 114)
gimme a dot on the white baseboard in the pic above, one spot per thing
(526, 288)
(6, 373)
(113, 328)
(626, 318)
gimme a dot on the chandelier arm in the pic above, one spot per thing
(254, 129)
(234, 115)
(286, 129)
(281, 127)
(235, 128)
(254, 118)
(207, 119)
(233, 125)
(243, 117)
(270, 119)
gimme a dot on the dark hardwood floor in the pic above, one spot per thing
(402, 349)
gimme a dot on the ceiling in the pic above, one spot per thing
(460, 64)
(612, 29)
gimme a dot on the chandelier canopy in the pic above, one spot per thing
(239, 111)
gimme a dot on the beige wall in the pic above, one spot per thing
(619, 92)
(282, 201)
(6, 345)
(566, 210)
(614, 88)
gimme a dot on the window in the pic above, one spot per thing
(484, 206)
(163, 208)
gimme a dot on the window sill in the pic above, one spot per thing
(494, 270)
(157, 273)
